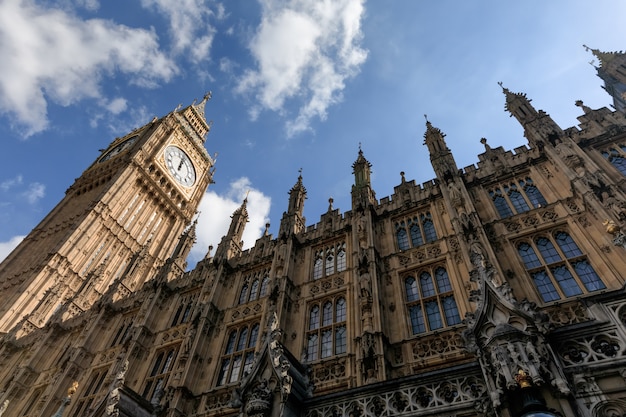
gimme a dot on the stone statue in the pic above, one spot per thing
(365, 284)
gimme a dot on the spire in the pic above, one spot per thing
(297, 195)
(193, 119)
(185, 242)
(611, 70)
(200, 106)
(441, 157)
(518, 105)
(231, 244)
(293, 220)
(362, 193)
(605, 58)
(538, 125)
(239, 220)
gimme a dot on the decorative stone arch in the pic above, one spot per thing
(610, 408)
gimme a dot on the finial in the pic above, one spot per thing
(586, 47)
(330, 204)
(402, 176)
(207, 96)
(267, 228)
(246, 198)
(300, 172)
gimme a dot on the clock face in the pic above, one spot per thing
(118, 149)
(180, 166)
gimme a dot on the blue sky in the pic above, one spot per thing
(297, 84)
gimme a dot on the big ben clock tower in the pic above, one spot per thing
(118, 222)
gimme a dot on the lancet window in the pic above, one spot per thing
(255, 286)
(326, 329)
(160, 370)
(238, 353)
(516, 197)
(415, 231)
(329, 260)
(430, 300)
(86, 402)
(617, 157)
(123, 330)
(183, 312)
(558, 267)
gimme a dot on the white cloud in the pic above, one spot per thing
(116, 106)
(36, 191)
(189, 24)
(7, 247)
(216, 211)
(304, 50)
(50, 54)
(10, 183)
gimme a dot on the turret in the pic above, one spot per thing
(231, 244)
(612, 70)
(362, 193)
(186, 241)
(441, 157)
(293, 220)
(539, 127)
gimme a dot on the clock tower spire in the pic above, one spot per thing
(140, 194)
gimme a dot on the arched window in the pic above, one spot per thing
(243, 295)
(264, 284)
(238, 354)
(429, 227)
(317, 268)
(416, 233)
(314, 317)
(329, 338)
(616, 158)
(341, 258)
(558, 270)
(253, 290)
(401, 236)
(429, 306)
(330, 260)
(517, 195)
(426, 285)
(411, 289)
(161, 369)
(533, 194)
(501, 204)
(519, 204)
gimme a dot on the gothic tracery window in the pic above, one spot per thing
(183, 312)
(238, 353)
(430, 302)
(255, 286)
(516, 197)
(86, 402)
(329, 260)
(160, 370)
(558, 267)
(326, 329)
(415, 231)
(617, 157)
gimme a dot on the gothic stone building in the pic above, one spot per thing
(492, 290)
